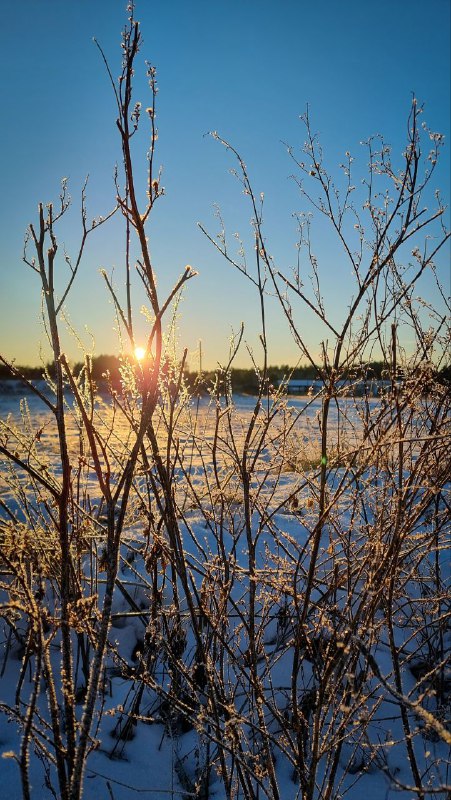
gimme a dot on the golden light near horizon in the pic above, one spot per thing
(140, 352)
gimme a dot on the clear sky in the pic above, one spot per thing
(246, 68)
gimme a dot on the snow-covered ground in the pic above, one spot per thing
(315, 682)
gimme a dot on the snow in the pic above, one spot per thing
(165, 754)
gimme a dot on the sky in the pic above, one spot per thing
(245, 68)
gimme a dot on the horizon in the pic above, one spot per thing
(4, 365)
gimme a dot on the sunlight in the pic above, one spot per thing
(140, 352)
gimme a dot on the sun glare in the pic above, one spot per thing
(140, 352)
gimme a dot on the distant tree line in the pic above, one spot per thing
(244, 381)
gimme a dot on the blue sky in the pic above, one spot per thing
(246, 68)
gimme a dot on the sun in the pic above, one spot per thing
(140, 352)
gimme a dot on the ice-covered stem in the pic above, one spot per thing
(127, 124)
(247, 459)
(43, 262)
(391, 231)
(44, 237)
